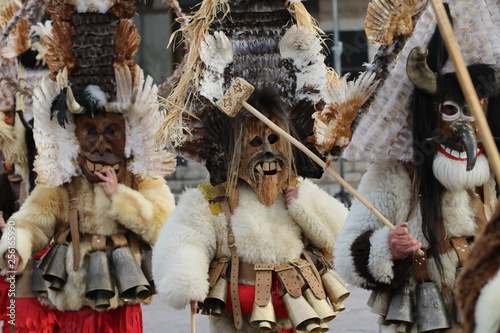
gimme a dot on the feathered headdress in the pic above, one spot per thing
(91, 56)
(276, 47)
(385, 131)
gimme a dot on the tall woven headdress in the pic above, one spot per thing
(276, 47)
(385, 131)
(91, 55)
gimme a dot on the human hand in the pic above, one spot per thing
(109, 180)
(13, 259)
(2, 220)
(291, 193)
(194, 306)
(401, 242)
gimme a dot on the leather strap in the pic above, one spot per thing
(75, 232)
(119, 240)
(98, 243)
(462, 247)
(420, 267)
(135, 247)
(263, 280)
(308, 274)
(289, 279)
(235, 262)
(216, 269)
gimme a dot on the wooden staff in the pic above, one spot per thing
(236, 97)
(467, 87)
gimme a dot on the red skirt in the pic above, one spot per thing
(124, 319)
(31, 317)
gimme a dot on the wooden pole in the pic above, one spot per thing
(193, 322)
(320, 162)
(467, 87)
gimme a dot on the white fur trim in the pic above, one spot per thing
(57, 147)
(99, 6)
(380, 262)
(488, 303)
(304, 48)
(21, 242)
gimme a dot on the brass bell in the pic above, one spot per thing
(47, 257)
(380, 302)
(216, 298)
(56, 273)
(131, 282)
(263, 317)
(147, 264)
(334, 288)
(38, 284)
(338, 307)
(301, 314)
(100, 287)
(321, 306)
(430, 309)
(401, 306)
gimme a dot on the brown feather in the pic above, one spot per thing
(60, 10)
(124, 9)
(22, 31)
(126, 44)
(59, 53)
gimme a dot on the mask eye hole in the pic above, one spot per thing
(273, 138)
(256, 141)
(450, 111)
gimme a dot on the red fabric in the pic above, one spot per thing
(32, 317)
(124, 319)
(40, 254)
(4, 298)
(247, 297)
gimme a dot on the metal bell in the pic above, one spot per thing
(380, 302)
(334, 288)
(38, 284)
(47, 257)
(338, 307)
(401, 306)
(301, 314)
(216, 298)
(100, 287)
(430, 309)
(147, 264)
(321, 306)
(263, 317)
(131, 282)
(55, 273)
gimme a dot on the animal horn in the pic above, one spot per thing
(72, 104)
(419, 72)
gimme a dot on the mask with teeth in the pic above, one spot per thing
(264, 160)
(102, 142)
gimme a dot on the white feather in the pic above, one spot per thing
(99, 6)
(57, 147)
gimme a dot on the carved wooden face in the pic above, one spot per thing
(264, 163)
(102, 142)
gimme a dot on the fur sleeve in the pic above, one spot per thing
(319, 215)
(364, 238)
(35, 222)
(143, 210)
(184, 250)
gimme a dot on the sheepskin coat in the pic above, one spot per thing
(141, 209)
(363, 257)
(193, 236)
(478, 285)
